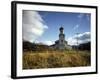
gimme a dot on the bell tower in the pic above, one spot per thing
(61, 36)
(61, 44)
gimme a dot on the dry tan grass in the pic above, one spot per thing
(54, 59)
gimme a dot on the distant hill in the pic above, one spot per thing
(27, 46)
(83, 46)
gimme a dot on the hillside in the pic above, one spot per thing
(27, 46)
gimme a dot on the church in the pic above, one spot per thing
(61, 44)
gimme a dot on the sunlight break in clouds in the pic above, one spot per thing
(32, 25)
(82, 38)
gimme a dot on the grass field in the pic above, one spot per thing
(55, 59)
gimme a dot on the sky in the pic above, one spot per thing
(43, 26)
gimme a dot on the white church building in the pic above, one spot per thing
(61, 44)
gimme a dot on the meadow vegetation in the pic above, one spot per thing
(55, 59)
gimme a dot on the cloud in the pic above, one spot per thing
(88, 17)
(80, 18)
(32, 25)
(81, 15)
(48, 42)
(77, 26)
(82, 38)
(45, 42)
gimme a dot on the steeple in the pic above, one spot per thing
(61, 44)
(61, 35)
(61, 30)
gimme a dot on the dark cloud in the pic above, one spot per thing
(82, 38)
